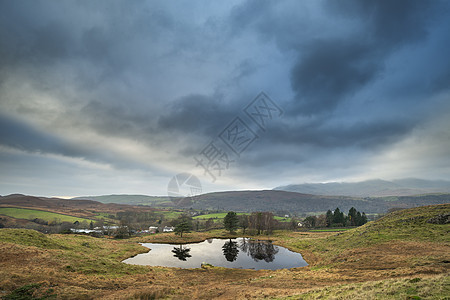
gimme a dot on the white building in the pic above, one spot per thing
(168, 229)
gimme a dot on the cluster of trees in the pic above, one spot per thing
(336, 218)
(256, 223)
(138, 220)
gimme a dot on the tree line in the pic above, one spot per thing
(264, 222)
(336, 218)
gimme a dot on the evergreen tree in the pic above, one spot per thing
(231, 221)
(329, 218)
(310, 221)
(338, 217)
(352, 217)
(363, 219)
(358, 219)
(182, 224)
(182, 227)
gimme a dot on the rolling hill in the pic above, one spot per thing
(282, 201)
(279, 201)
(76, 208)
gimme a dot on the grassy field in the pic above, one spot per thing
(222, 215)
(400, 256)
(23, 213)
(214, 216)
(168, 214)
(330, 230)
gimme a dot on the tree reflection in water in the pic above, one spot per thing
(259, 250)
(180, 253)
(230, 250)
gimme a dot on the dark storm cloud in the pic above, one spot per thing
(389, 22)
(121, 82)
(29, 34)
(102, 33)
(330, 70)
(199, 114)
(362, 134)
(334, 65)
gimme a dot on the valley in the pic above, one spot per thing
(397, 256)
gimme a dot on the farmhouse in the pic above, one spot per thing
(168, 229)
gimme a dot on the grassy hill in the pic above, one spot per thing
(403, 243)
(291, 202)
(409, 225)
(274, 200)
(76, 208)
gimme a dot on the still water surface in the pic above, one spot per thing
(231, 253)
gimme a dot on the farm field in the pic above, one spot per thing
(24, 213)
(222, 215)
(215, 216)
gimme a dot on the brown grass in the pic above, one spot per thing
(80, 267)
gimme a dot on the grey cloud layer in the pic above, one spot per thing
(352, 77)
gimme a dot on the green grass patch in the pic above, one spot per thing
(330, 229)
(29, 214)
(222, 216)
(282, 219)
(215, 216)
(28, 237)
(104, 215)
(168, 214)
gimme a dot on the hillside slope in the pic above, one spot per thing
(274, 200)
(77, 207)
(427, 226)
(402, 253)
(292, 202)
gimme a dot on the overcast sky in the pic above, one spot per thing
(108, 97)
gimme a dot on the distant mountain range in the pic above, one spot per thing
(278, 201)
(371, 188)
